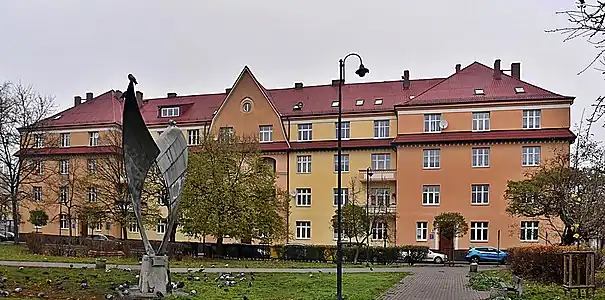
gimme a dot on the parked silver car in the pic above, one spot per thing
(431, 256)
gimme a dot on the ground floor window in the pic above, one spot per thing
(479, 231)
(303, 230)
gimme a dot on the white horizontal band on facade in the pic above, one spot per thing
(480, 109)
(101, 129)
(334, 120)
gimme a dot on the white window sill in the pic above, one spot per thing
(303, 172)
(529, 166)
(483, 130)
(432, 131)
(265, 141)
(381, 137)
(480, 204)
(304, 140)
(304, 239)
(430, 204)
(529, 241)
(481, 167)
(531, 128)
(431, 168)
(341, 171)
(482, 241)
(425, 240)
(303, 205)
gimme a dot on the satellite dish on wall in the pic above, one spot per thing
(443, 124)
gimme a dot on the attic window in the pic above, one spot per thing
(378, 101)
(297, 106)
(170, 112)
(359, 102)
(479, 92)
(57, 117)
(519, 90)
(334, 103)
(412, 97)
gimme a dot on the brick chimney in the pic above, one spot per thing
(497, 70)
(77, 100)
(171, 95)
(227, 91)
(139, 98)
(458, 67)
(298, 85)
(89, 96)
(515, 70)
(406, 79)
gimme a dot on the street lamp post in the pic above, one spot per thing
(361, 72)
(368, 177)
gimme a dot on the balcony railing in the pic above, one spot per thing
(379, 175)
(380, 209)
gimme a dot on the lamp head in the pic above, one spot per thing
(370, 174)
(362, 71)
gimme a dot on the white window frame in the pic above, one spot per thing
(345, 196)
(479, 232)
(99, 226)
(92, 165)
(65, 140)
(431, 195)
(38, 167)
(422, 231)
(532, 118)
(133, 227)
(380, 197)
(265, 133)
(531, 229)
(303, 197)
(64, 166)
(480, 194)
(63, 222)
(303, 164)
(480, 157)
(193, 137)
(344, 161)
(161, 226)
(382, 129)
(37, 190)
(379, 231)
(432, 123)
(381, 161)
(305, 132)
(93, 138)
(481, 121)
(63, 194)
(303, 230)
(38, 140)
(335, 234)
(531, 156)
(345, 128)
(92, 194)
(431, 158)
(173, 111)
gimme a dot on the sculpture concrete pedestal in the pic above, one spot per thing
(154, 274)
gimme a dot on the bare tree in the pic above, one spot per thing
(22, 111)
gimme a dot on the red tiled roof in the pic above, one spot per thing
(460, 87)
(274, 146)
(317, 100)
(346, 144)
(486, 136)
(68, 151)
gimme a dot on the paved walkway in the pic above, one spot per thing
(435, 284)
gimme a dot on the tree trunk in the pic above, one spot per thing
(219, 246)
(173, 233)
(123, 232)
(15, 218)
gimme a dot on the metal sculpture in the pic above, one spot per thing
(140, 153)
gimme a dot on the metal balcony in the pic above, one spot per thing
(378, 175)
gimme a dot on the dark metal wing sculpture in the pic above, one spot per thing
(140, 153)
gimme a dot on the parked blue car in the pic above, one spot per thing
(485, 254)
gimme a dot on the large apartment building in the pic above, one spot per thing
(417, 147)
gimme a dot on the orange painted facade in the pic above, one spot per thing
(463, 167)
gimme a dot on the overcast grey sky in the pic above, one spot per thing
(70, 47)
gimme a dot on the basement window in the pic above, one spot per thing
(359, 102)
(169, 112)
(519, 90)
(378, 101)
(479, 92)
(334, 103)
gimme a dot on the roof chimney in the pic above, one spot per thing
(77, 100)
(497, 70)
(298, 85)
(515, 70)
(89, 96)
(171, 95)
(458, 66)
(139, 98)
(406, 79)
(335, 82)
(227, 91)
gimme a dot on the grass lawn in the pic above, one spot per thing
(484, 280)
(66, 283)
(21, 253)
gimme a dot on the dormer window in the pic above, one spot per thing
(170, 112)
(334, 103)
(359, 102)
(378, 101)
(479, 92)
(519, 90)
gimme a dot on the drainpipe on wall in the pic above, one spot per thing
(288, 184)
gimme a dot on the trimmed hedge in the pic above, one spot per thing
(542, 263)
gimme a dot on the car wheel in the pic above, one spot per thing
(502, 261)
(475, 259)
(438, 260)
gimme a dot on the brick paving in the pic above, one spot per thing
(434, 284)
